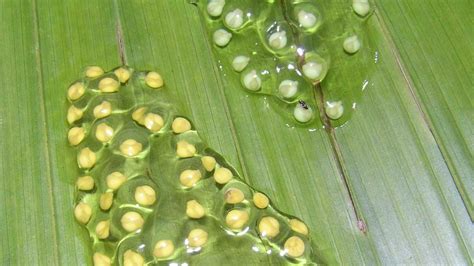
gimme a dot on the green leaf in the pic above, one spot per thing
(403, 151)
(435, 53)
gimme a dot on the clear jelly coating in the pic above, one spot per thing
(150, 191)
(322, 45)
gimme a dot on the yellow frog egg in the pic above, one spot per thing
(269, 227)
(100, 259)
(74, 114)
(83, 212)
(222, 175)
(180, 125)
(106, 200)
(132, 221)
(94, 71)
(145, 195)
(197, 238)
(131, 258)
(86, 158)
(209, 163)
(236, 219)
(102, 230)
(109, 85)
(189, 178)
(153, 122)
(234, 196)
(122, 74)
(194, 210)
(102, 110)
(76, 135)
(115, 180)
(139, 115)
(298, 226)
(154, 80)
(76, 91)
(85, 183)
(260, 200)
(104, 132)
(163, 249)
(130, 147)
(294, 247)
(184, 149)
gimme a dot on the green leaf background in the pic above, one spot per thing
(407, 151)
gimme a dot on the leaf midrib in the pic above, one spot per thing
(318, 94)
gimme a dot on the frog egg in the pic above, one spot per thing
(269, 227)
(294, 247)
(185, 149)
(145, 195)
(163, 249)
(208, 162)
(154, 80)
(122, 74)
(108, 85)
(83, 212)
(139, 115)
(102, 230)
(334, 110)
(74, 114)
(94, 71)
(194, 210)
(197, 238)
(115, 180)
(236, 219)
(75, 91)
(104, 132)
(132, 221)
(85, 183)
(189, 178)
(361, 7)
(312, 70)
(298, 226)
(102, 110)
(260, 200)
(302, 112)
(76, 135)
(222, 175)
(306, 19)
(288, 88)
(131, 258)
(130, 147)
(100, 259)
(234, 196)
(240, 63)
(351, 44)
(214, 7)
(221, 37)
(86, 158)
(180, 125)
(234, 19)
(153, 122)
(252, 81)
(106, 200)
(278, 40)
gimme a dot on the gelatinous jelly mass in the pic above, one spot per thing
(149, 190)
(289, 49)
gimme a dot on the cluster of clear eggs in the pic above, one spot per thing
(270, 55)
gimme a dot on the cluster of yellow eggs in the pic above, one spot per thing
(119, 189)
